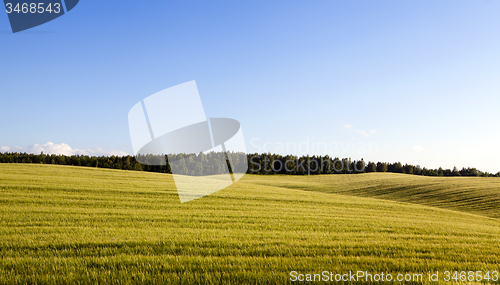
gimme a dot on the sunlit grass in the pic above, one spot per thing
(62, 224)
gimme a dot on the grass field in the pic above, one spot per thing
(62, 224)
(479, 195)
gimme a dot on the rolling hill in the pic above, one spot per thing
(479, 195)
(61, 224)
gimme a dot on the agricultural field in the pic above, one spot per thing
(479, 195)
(77, 225)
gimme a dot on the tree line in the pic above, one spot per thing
(313, 165)
(264, 164)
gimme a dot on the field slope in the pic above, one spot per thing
(62, 224)
(479, 195)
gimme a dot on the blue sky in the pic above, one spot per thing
(416, 82)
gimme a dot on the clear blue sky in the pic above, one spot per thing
(417, 81)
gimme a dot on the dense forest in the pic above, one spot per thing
(264, 164)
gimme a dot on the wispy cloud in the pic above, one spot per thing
(418, 148)
(363, 133)
(62, 148)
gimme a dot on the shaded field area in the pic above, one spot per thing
(62, 224)
(479, 195)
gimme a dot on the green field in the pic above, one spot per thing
(63, 224)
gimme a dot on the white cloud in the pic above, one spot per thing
(347, 126)
(373, 131)
(62, 148)
(363, 133)
(418, 148)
